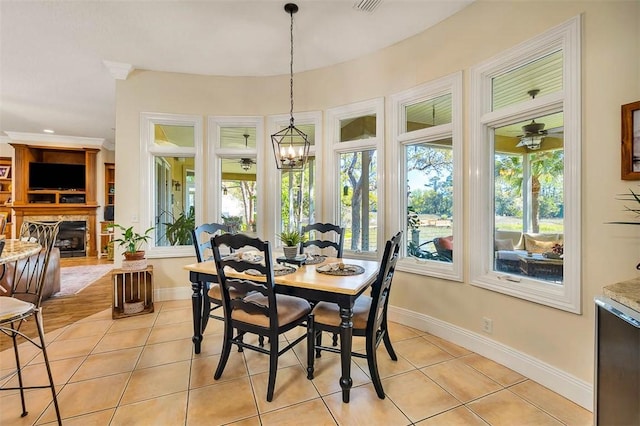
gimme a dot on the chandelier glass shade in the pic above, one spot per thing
(290, 145)
(531, 142)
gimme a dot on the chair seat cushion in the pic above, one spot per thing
(216, 294)
(328, 313)
(12, 308)
(290, 309)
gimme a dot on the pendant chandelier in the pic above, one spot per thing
(290, 145)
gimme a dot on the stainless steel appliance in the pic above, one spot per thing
(617, 364)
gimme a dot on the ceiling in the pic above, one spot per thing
(52, 53)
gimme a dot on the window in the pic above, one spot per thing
(173, 151)
(359, 203)
(427, 128)
(236, 164)
(299, 203)
(525, 190)
(356, 134)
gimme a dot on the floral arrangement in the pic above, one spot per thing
(558, 249)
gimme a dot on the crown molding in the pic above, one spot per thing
(53, 140)
(118, 70)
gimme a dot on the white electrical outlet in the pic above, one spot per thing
(487, 325)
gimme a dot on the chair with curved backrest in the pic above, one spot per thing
(260, 310)
(3, 223)
(24, 302)
(212, 298)
(323, 243)
(444, 248)
(369, 318)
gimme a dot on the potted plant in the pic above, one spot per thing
(132, 242)
(634, 197)
(233, 222)
(179, 232)
(291, 240)
(413, 220)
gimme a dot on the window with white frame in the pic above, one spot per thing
(354, 159)
(235, 165)
(299, 203)
(525, 158)
(171, 165)
(426, 176)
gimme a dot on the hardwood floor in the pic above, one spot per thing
(61, 311)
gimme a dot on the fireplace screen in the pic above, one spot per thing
(71, 238)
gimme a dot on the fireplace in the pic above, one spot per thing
(71, 239)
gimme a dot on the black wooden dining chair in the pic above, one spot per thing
(258, 309)
(315, 240)
(322, 228)
(369, 318)
(211, 295)
(27, 283)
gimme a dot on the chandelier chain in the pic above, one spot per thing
(291, 69)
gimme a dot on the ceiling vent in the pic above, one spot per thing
(367, 5)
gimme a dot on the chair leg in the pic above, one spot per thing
(46, 363)
(310, 346)
(240, 339)
(19, 367)
(273, 366)
(387, 340)
(226, 350)
(318, 342)
(206, 309)
(372, 362)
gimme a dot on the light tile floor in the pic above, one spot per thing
(142, 371)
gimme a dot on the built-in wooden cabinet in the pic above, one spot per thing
(26, 193)
(109, 184)
(106, 227)
(6, 183)
(56, 204)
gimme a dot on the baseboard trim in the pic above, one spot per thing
(557, 380)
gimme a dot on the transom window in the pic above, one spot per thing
(236, 169)
(170, 172)
(354, 158)
(428, 129)
(526, 158)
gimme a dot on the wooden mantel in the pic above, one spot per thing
(29, 204)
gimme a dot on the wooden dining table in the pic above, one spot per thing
(306, 282)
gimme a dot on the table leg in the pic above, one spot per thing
(196, 302)
(346, 336)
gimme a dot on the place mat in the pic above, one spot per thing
(315, 259)
(282, 270)
(347, 270)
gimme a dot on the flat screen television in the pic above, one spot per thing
(56, 176)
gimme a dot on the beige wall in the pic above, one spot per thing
(611, 77)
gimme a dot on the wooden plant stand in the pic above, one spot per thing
(131, 289)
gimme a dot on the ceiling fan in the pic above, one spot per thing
(246, 163)
(533, 133)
